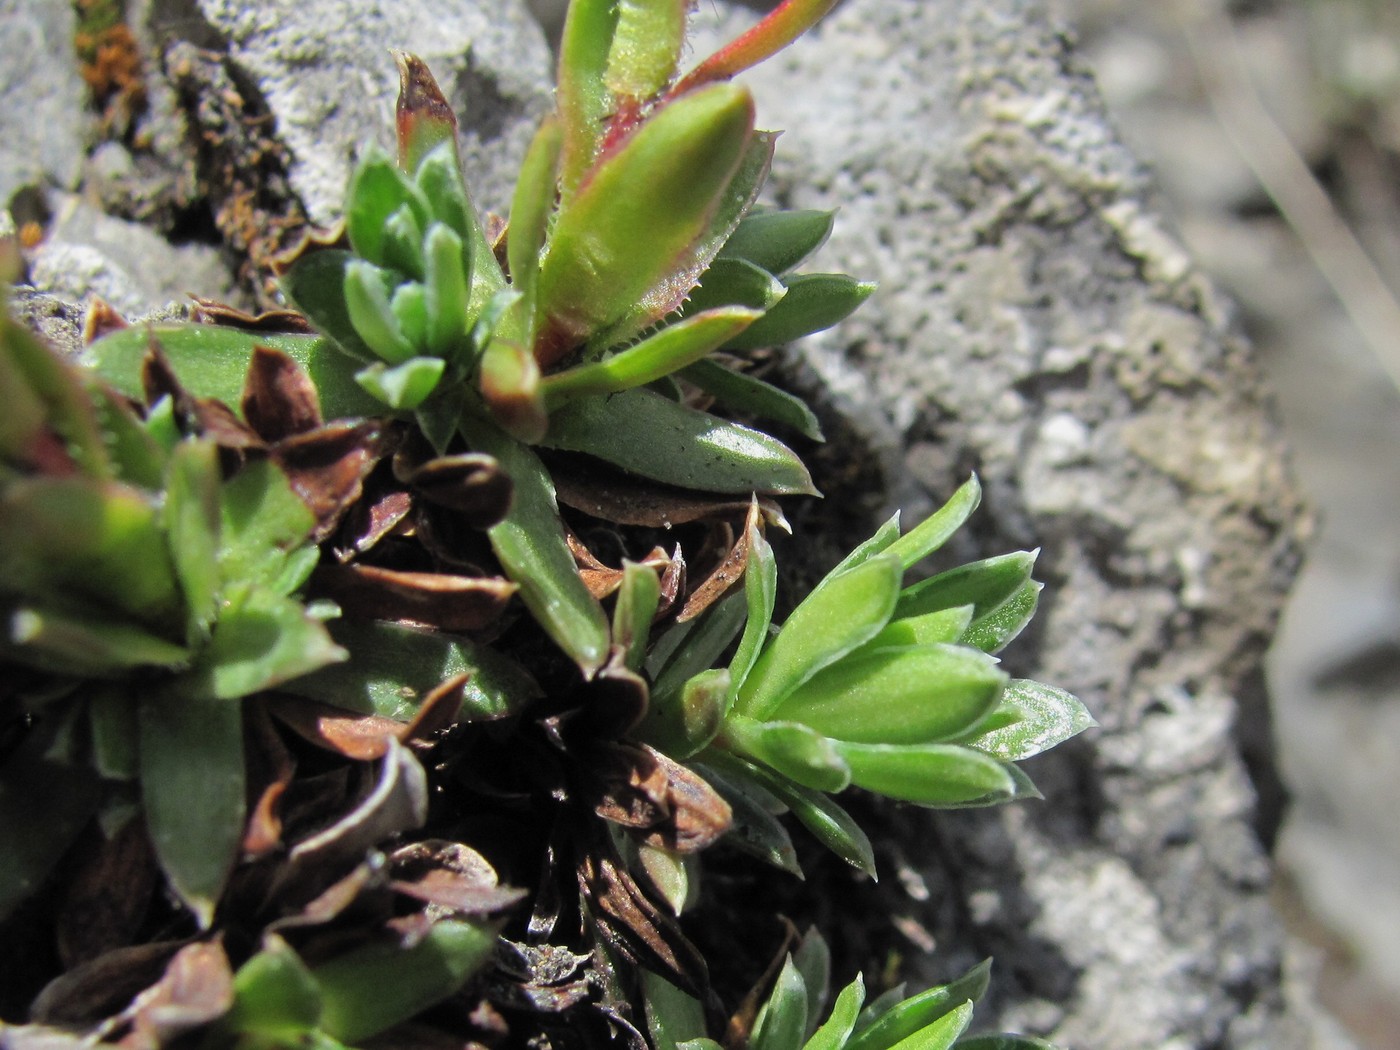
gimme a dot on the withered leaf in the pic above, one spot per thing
(639, 930)
(196, 988)
(327, 466)
(634, 790)
(99, 988)
(458, 894)
(472, 483)
(447, 602)
(211, 418)
(698, 815)
(270, 765)
(363, 738)
(279, 398)
(211, 311)
(726, 574)
(101, 319)
(109, 895)
(370, 522)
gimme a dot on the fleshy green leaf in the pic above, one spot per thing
(742, 393)
(446, 287)
(914, 695)
(530, 211)
(796, 751)
(137, 457)
(192, 526)
(315, 285)
(403, 387)
(510, 386)
(929, 774)
(192, 786)
(734, 282)
(701, 647)
(881, 1029)
(935, 530)
(638, 213)
(115, 743)
(667, 351)
(261, 639)
(73, 643)
(942, 1033)
(646, 434)
(981, 584)
(675, 876)
(813, 303)
(403, 243)
(367, 299)
(646, 47)
(673, 1017)
(839, 616)
(778, 241)
(1044, 716)
(410, 306)
(274, 994)
(782, 1020)
(582, 95)
(813, 961)
(638, 597)
(760, 595)
(943, 626)
(374, 987)
(377, 190)
(755, 827)
(530, 544)
(391, 668)
(440, 180)
(832, 1035)
(263, 520)
(681, 722)
(994, 629)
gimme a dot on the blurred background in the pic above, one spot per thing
(1273, 129)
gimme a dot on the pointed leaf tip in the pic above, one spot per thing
(423, 116)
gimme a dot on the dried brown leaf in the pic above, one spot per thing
(627, 500)
(279, 398)
(211, 311)
(108, 897)
(370, 522)
(101, 319)
(472, 483)
(726, 574)
(327, 466)
(270, 765)
(447, 602)
(196, 988)
(99, 988)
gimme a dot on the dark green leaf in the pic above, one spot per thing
(43, 807)
(530, 544)
(794, 750)
(782, 1020)
(814, 302)
(112, 719)
(842, 614)
(192, 786)
(756, 828)
(813, 961)
(701, 648)
(391, 669)
(778, 241)
(672, 1016)
(375, 987)
(734, 282)
(315, 285)
(1044, 716)
(192, 526)
(760, 595)
(1004, 1042)
(742, 393)
(914, 695)
(887, 1027)
(645, 434)
(73, 643)
(929, 774)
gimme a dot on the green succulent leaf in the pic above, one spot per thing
(275, 995)
(192, 525)
(377, 190)
(778, 241)
(638, 598)
(315, 285)
(115, 740)
(651, 436)
(782, 1020)
(881, 1027)
(673, 1017)
(66, 642)
(410, 307)
(510, 385)
(44, 804)
(138, 458)
(667, 351)
(646, 47)
(368, 300)
(1043, 717)
(683, 722)
(403, 243)
(943, 626)
(812, 958)
(262, 523)
(403, 387)
(93, 539)
(391, 668)
(582, 95)
(842, 614)
(913, 695)
(530, 544)
(530, 212)
(928, 774)
(837, 1028)
(698, 649)
(440, 180)
(742, 393)
(446, 285)
(1004, 1042)
(813, 303)
(995, 629)
(639, 213)
(192, 789)
(796, 751)
(734, 282)
(262, 639)
(935, 530)
(982, 584)
(374, 987)
(760, 595)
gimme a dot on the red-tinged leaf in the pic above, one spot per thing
(788, 21)
(510, 385)
(363, 738)
(424, 118)
(582, 94)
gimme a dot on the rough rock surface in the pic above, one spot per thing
(1038, 323)
(42, 97)
(325, 71)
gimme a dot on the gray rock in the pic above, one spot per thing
(325, 71)
(87, 254)
(42, 98)
(1038, 322)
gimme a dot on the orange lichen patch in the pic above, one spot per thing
(31, 234)
(110, 62)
